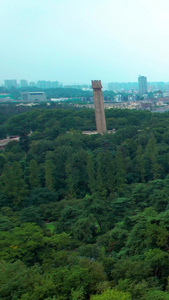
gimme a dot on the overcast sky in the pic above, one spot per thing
(74, 41)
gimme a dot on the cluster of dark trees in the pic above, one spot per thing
(84, 216)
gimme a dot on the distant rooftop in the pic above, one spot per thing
(36, 93)
(9, 139)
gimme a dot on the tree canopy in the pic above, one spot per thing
(84, 216)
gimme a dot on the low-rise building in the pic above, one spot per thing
(5, 142)
(33, 96)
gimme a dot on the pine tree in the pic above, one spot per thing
(91, 174)
(70, 180)
(151, 153)
(13, 184)
(33, 174)
(140, 163)
(49, 175)
(120, 171)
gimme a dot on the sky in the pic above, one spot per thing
(76, 41)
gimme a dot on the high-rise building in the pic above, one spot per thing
(114, 86)
(118, 86)
(43, 84)
(10, 83)
(142, 84)
(55, 84)
(99, 106)
(23, 83)
(32, 83)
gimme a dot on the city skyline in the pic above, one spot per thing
(57, 83)
(135, 81)
(77, 42)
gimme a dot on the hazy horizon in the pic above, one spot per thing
(74, 42)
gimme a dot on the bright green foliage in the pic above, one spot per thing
(78, 294)
(112, 295)
(59, 241)
(156, 295)
(67, 280)
(138, 290)
(17, 280)
(21, 243)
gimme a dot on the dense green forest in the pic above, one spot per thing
(84, 216)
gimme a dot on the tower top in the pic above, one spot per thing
(96, 84)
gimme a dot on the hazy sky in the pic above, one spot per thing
(74, 41)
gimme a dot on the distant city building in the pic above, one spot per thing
(166, 94)
(77, 86)
(159, 85)
(118, 86)
(134, 86)
(142, 83)
(114, 86)
(10, 83)
(32, 83)
(55, 84)
(23, 83)
(43, 84)
(117, 98)
(33, 96)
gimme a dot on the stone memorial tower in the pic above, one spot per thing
(99, 106)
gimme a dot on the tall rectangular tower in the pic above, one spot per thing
(99, 106)
(142, 83)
